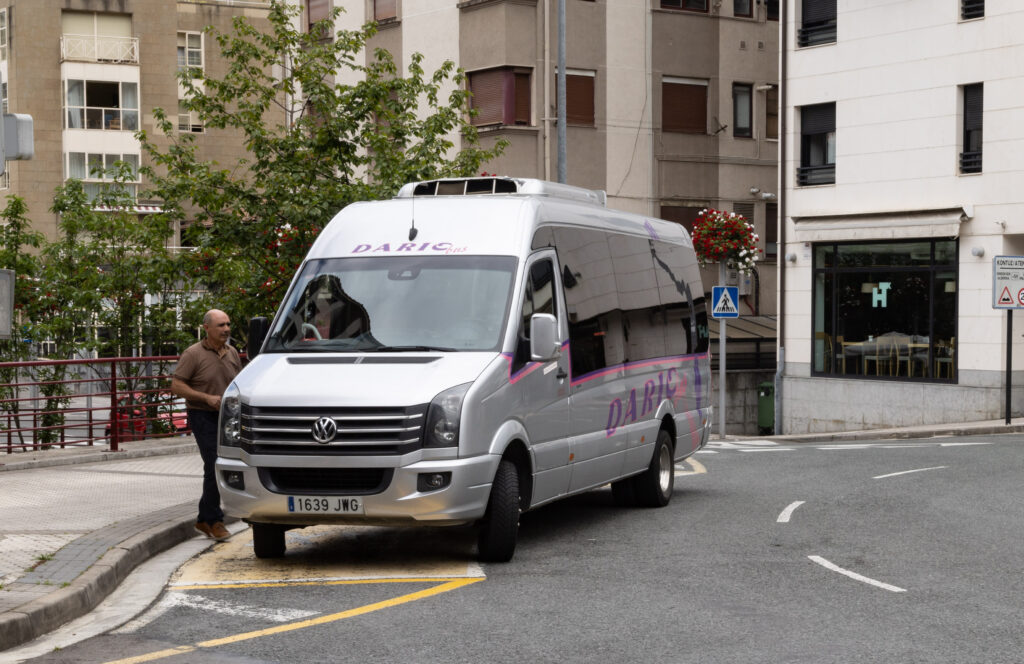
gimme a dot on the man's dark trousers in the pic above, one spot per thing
(204, 427)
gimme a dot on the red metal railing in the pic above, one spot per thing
(51, 403)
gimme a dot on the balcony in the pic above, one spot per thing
(90, 48)
(808, 176)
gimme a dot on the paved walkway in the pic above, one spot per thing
(75, 522)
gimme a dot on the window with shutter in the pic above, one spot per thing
(681, 214)
(771, 112)
(817, 145)
(579, 98)
(385, 9)
(973, 100)
(684, 106)
(521, 104)
(818, 24)
(689, 5)
(771, 230)
(317, 10)
(500, 96)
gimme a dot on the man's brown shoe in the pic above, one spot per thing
(215, 531)
(220, 533)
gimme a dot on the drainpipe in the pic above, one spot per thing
(546, 111)
(781, 252)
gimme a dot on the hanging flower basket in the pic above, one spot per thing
(725, 237)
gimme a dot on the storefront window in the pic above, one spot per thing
(885, 310)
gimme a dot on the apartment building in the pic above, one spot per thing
(671, 105)
(89, 72)
(901, 165)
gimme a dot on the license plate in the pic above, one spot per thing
(331, 505)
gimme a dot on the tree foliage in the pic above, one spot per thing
(322, 126)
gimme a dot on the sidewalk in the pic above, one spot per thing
(75, 522)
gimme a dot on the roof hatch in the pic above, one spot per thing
(503, 186)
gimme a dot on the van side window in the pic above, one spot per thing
(541, 297)
(629, 298)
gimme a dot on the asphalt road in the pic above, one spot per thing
(875, 552)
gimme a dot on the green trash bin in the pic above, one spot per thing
(766, 408)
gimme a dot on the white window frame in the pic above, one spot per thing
(184, 34)
(107, 113)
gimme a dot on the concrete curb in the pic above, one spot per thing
(82, 595)
(898, 434)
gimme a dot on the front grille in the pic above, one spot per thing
(361, 431)
(326, 481)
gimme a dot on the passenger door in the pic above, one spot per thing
(543, 387)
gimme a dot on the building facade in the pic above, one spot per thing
(671, 105)
(90, 73)
(900, 171)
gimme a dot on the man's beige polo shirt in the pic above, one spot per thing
(206, 370)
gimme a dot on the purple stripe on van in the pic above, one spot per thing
(635, 365)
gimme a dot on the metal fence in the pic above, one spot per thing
(61, 403)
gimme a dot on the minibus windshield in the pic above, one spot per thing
(396, 304)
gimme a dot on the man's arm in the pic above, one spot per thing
(180, 388)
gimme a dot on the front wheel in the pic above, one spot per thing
(268, 540)
(653, 487)
(500, 525)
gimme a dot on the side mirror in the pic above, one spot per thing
(544, 342)
(258, 328)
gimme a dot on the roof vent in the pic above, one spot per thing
(501, 185)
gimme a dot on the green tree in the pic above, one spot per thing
(19, 246)
(314, 141)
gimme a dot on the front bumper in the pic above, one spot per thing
(464, 500)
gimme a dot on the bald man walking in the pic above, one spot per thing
(204, 371)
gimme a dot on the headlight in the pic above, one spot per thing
(443, 418)
(230, 417)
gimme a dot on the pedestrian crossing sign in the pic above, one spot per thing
(723, 302)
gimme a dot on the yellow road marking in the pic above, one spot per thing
(324, 582)
(698, 467)
(323, 553)
(453, 584)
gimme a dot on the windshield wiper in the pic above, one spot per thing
(407, 349)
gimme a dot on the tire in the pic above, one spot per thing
(653, 487)
(268, 540)
(623, 493)
(500, 525)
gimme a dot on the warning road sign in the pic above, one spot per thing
(1008, 282)
(723, 302)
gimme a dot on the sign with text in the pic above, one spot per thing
(1008, 282)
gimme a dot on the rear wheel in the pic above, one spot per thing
(500, 525)
(653, 487)
(268, 540)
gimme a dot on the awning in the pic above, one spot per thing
(899, 225)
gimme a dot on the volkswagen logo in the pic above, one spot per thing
(324, 430)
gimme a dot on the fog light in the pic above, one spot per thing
(234, 479)
(432, 481)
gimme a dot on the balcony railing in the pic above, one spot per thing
(972, 9)
(90, 48)
(817, 32)
(970, 162)
(811, 175)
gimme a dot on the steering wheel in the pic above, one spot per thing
(309, 327)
